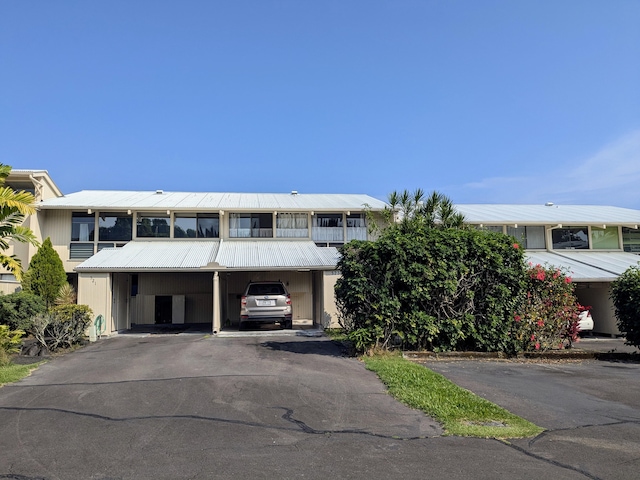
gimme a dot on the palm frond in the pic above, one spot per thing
(22, 201)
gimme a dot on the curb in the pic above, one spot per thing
(573, 354)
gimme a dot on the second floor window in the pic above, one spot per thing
(530, 237)
(115, 227)
(196, 226)
(328, 227)
(152, 226)
(292, 225)
(83, 227)
(570, 238)
(251, 225)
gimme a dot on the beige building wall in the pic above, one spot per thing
(94, 290)
(330, 314)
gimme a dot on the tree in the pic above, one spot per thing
(14, 208)
(435, 211)
(625, 293)
(46, 275)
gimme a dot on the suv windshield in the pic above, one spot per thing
(272, 289)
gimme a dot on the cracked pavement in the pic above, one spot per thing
(195, 406)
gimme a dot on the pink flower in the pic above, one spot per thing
(568, 279)
(540, 323)
(516, 246)
(533, 337)
(537, 346)
(540, 275)
(517, 318)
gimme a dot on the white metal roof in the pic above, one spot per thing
(181, 255)
(276, 254)
(137, 200)
(546, 215)
(587, 266)
(212, 255)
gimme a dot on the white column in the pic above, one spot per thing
(216, 302)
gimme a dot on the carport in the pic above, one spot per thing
(182, 282)
(592, 272)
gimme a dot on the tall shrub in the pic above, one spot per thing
(427, 288)
(46, 275)
(625, 293)
(548, 315)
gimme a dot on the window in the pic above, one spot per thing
(208, 225)
(327, 227)
(570, 238)
(292, 225)
(530, 237)
(115, 227)
(246, 225)
(184, 226)
(80, 251)
(152, 226)
(196, 226)
(631, 239)
(356, 227)
(605, 238)
(83, 227)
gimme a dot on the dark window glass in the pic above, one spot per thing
(631, 239)
(152, 227)
(184, 227)
(570, 238)
(208, 226)
(115, 227)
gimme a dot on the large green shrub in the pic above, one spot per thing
(435, 289)
(62, 326)
(46, 275)
(17, 309)
(625, 293)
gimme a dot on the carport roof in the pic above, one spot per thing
(166, 256)
(587, 266)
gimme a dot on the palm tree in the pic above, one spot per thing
(436, 211)
(14, 208)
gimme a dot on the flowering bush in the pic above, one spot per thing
(548, 317)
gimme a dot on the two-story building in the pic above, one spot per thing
(154, 257)
(594, 244)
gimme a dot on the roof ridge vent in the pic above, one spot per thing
(548, 204)
(159, 192)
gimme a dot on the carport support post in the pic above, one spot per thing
(216, 302)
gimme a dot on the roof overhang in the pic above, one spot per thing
(589, 266)
(212, 255)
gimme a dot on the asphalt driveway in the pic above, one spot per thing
(195, 406)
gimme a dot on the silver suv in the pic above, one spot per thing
(266, 302)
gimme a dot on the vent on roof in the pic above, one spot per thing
(548, 204)
(294, 192)
(159, 192)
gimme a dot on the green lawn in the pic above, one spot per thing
(12, 373)
(460, 411)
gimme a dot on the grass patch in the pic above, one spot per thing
(12, 373)
(460, 411)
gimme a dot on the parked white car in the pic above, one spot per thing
(585, 321)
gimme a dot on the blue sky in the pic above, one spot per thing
(486, 101)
